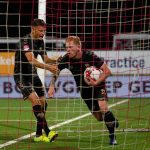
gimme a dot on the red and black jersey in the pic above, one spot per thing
(78, 66)
(22, 65)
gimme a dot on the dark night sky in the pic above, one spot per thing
(71, 17)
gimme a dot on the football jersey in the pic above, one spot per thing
(78, 66)
(22, 65)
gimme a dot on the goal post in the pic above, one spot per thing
(41, 15)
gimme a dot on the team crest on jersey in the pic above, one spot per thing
(26, 47)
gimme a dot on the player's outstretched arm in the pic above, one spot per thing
(52, 68)
(54, 59)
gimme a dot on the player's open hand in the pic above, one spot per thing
(51, 91)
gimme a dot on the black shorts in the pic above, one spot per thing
(29, 85)
(91, 96)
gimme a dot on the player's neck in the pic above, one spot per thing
(32, 36)
(79, 55)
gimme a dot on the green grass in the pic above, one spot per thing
(17, 120)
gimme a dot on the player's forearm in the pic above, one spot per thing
(106, 73)
(51, 90)
(53, 80)
(49, 60)
(102, 78)
(52, 68)
(39, 64)
(54, 59)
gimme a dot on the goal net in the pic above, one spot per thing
(117, 30)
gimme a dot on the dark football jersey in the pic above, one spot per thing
(22, 65)
(78, 66)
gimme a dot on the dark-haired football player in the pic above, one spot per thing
(27, 79)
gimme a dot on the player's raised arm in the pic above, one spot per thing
(53, 59)
(35, 62)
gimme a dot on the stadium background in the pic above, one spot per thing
(97, 28)
(95, 22)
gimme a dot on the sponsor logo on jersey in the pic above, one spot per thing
(26, 47)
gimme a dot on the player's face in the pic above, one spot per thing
(72, 49)
(38, 32)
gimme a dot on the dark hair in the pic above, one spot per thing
(38, 22)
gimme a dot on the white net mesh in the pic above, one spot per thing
(118, 30)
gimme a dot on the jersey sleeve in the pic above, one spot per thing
(26, 45)
(64, 63)
(98, 61)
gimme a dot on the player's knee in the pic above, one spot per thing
(34, 99)
(113, 124)
(98, 116)
(40, 115)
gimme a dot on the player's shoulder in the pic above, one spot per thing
(65, 58)
(26, 39)
(87, 53)
(25, 42)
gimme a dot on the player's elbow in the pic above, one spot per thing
(108, 72)
(33, 61)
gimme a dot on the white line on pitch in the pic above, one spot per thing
(55, 126)
(18, 120)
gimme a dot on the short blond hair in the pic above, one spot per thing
(75, 39)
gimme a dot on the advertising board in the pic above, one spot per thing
(117, 87)
(120, 62)
(123, 62)
(6, 63)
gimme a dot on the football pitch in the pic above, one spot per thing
(77, 128)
